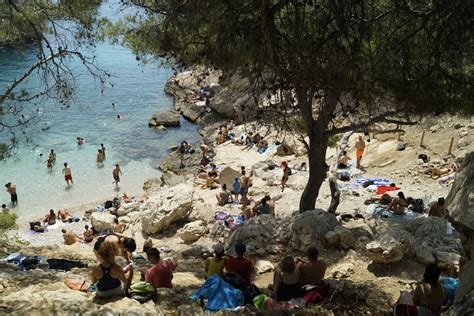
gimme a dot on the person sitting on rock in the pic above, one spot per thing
(398, 204)
(343, 161)
(430, 292)
(437, 208)
(313, 271)
(126, 246)
(271, 205)
(239, 264)
(50, 218)
(118, 227)
(126, 199)
(111, 280)
(287, 280)
(262, 145)
(160, 274)
(69, 237)
(261, 208)
(215, 265)
(224, 196)
(88, 234)
(213, 173)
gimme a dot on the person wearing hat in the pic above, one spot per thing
(239, 264)
(215, 265)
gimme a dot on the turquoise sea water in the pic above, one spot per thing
(137, 93)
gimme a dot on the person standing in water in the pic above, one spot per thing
(102, 147)
(116, 174)
(52, 156)
(100, 158)
(67, 174)
(11, 188)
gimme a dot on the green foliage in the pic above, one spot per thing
(3, 150)
(7, 221)
(333, 140)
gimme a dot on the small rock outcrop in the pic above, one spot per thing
(165, 119)
(302, 230)
(460, 209)
(263, 266)
(257, 233)
(102, 221)
(166, 207)
(390, 247)
(340, 236)
(191, 232)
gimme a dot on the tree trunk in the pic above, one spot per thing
(318, 143)
(333, 186)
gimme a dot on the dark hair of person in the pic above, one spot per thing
(153, 252)
(263, 201)
(288, 264)
(116, 220)
(313, 253)
(267, 197)
(401, 195)
(86, 227)
(344, 152)
(224, 187)
(4, 205)
(51, 212)
(441, 201)
(431, 274)
(243, 172)
(129, 244)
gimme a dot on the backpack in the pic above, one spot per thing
(108, 204)
(401, 146)
(344, 176)
(418, 206)
(289, 171)
(423, 157)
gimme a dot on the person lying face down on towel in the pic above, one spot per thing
(125, 245)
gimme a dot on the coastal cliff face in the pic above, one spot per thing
(460, 206)
(232, 96)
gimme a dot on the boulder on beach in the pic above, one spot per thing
(102, 221)
(284, 150)
(166, 206)
(227, 176)
(390, 247)
(191, 232)
(166, 119)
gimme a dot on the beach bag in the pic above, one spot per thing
(418, 206)
(219, 294)
(344, 176)
(423, 157)
(108, 204)
(401, 146)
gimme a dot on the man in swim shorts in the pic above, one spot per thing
(116, 174)
(360, 147)
(11, 188)
(67, 174)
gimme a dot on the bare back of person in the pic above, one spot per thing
(312, 272)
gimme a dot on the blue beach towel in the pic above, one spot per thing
(219, 294)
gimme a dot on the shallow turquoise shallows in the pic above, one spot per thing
(137, 93)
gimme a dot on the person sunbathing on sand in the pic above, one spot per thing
(64, 215)
(69, 237)
(398, 204)
(438, 172)
(126, 199)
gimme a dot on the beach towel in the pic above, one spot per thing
(376, 181)
(77, 284)
(220, 295)
(381, 189)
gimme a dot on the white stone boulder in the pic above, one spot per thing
(343, 270)
(166, 206)
(257, 233)
(191, 232)
(124, 209)
(390, 247)
(302, 230)
(340, 236)
(166, 119)
(263, 266)
(102, 221)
